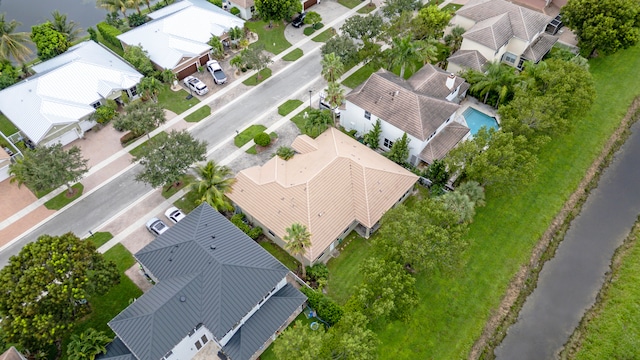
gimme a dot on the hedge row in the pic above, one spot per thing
(109, 34)
(327, 309)
(238, 220)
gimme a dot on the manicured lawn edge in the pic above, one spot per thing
(61, 200)
(185, 180)
(272, 39)
(137, 151)
(367, 9)
(175, 101)
(359, 76)
(188, 202)
(293, 55)
(248, 134)
(289, 106)
(349, 3)
(325, 35)
(253, 80)
(199, 114)
(289, 261)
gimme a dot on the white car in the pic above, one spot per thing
(196, 85)
(216, 72)
(174, 214)
(156, 226)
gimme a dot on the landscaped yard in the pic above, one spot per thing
(325, 35)
(137, 151)
(6, 126)
(199, 114)
(188, 202)
(293, 55)
(99, 238)
(359, 76)
(272, 38)
(248, 134)
(253, 151)
(185, 180)
(288, 107)
(61, 200)
(255, 80)
(175, 101)
(268, 353)
(350, 3)
(344, 271)
(279, 253)
(299, 119)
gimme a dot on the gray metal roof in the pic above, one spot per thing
(116, 350)
(208, 272)
(257, 330)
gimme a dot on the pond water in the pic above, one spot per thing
(33, 12)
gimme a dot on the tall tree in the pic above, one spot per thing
(217, 48)
(134, 4)
(335, 97)
(298, 239)
(474, 191)
(399, 152)
(454, 39)
(332, 67)
(430, 22)
(372, 138)
(9, 74)
(350, 339)
(439, 176)
(13, 45)
(604, 26)
(214, 181)
(139, 58)
(87, 345)
(276, 10)
(425, 237)
(140, 118)
(236, 34)
(312, 18)
(150, 87)
(498, 79)
(256, 58)
(459, 203)
(404, 52)
(114, 6)
(45, 289)
(68, 28)
(343, 46)
(386, 291)
(48, 167)
(393, 8)
(50, 43)
(299, 342)
(166, 161)
(365, 28)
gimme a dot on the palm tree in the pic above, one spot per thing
(298, 240)
(237, 62)
(428, 51)
(13, 44)
(404, 52)
(474, 191)
(135, 4)
(454, 39)
(335, 97)
(217, 49)
(236, 34)
(87, 345)
(460, 204)
(215, 181)
(332, 67)
(150, 86)
(69, 29)
(114, 6)
(498, 78)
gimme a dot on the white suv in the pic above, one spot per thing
(216, 72)
(196, 85)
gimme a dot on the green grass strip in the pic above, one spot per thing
(293, 55)
(272, 38)
(61, 200)
(175, 101)
(325, 35)
(185, 180)
(199, 114)
(188, 202)
(289, 106)
(279, 253)
(137, 151)
(248, 134)
(255, 80)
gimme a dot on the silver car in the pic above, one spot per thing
(156, 226)
(196, 85)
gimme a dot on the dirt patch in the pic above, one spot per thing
(526, 278)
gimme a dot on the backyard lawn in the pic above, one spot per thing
(344, 271)
(175, 101)
(248, 134)
(6, 126)
(272, 38)
(455, 305)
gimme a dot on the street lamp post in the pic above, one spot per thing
(310, 106)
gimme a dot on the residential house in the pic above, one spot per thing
(57, 103)
(425, 107)
(217, 294)
(12, 354)
(176, 38)
(497, 30)
(247, 7)
(332, 185)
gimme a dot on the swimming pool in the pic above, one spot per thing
(477, 119)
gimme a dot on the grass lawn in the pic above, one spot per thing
(253, 80)
(288, 107)
(289, 261)
(452, 8)
(100, 238)
(325, 35)
(455, 305)
(137, 151)
(253, 151)
(299, 119)
(344, 271)
(248, 134)
(175, 100)
(350, 3)
(367, 9)
(272, 38)
(61, 200)
(613, 333)
(188, 202)
(308, 30)
(199, 114)
(184, 181)
(107, 306)
(6, 126)
(293, 55)
(359, 76)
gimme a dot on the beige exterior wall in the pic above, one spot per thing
(517, 46)
(56, 131)
(488, 53)
(458, 20)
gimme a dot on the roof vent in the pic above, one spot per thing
(212, 247)
(183, 299)
(213, 236)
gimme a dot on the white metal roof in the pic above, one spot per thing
(180, 30)
(64, 89)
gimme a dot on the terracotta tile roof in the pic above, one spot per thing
(432, 81)
(540, 47)
(392, 99)
(12, 354)
(326, 190)
(524, 23)
(442, 143)
(468, 59)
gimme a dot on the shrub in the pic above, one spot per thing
(235, 11)
(93, 35)
(317, 272)
(327, 309)
(136, 19)
(104, 114)
(309, 30)
(127, 138)
(239, 221)
(217, 3)
(262, 139)
(109, 34)
(255, 232)
(318, 26)
(285, 153)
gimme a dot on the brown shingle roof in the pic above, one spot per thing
(468, 59)
(12, 354)
(524, 23)
(392, 99)
(442, 143)
(539, 48)
(325, 190)
(432, 81)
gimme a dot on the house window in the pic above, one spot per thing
(198, 345)
(367, 115)
(509, 58)
(96, 104)
(134, 91)
(388, 143)
(520, 63)
(253, 9)
(204, 339)
(271, 233)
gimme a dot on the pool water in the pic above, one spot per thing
(477, 119)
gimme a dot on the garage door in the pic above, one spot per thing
(66, 138)
(309, 3)
(203, 59)
(186, 72)
(86, 125)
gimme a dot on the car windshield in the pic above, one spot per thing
(158, 225)
(200, 86)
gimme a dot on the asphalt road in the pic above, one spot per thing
(104, 203)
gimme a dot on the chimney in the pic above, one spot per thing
(451, 80)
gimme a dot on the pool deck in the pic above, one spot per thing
(474, 103)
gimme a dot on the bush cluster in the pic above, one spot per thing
(317, 272)
(262, 139)
(109, 34)
(127, 138)
(285, 153)
(238, 221)
(327, 309)
(136, 19)
(235, 11)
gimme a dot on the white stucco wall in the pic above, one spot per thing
(186, 348)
